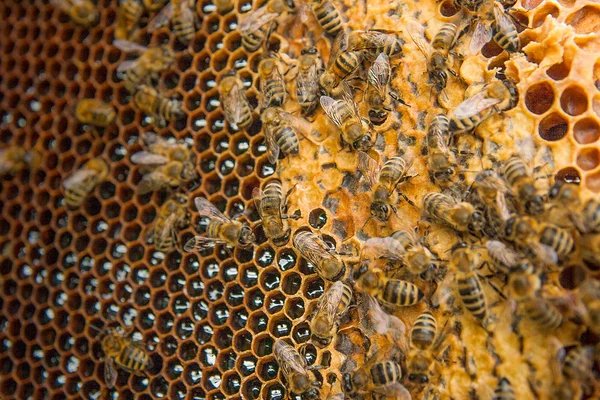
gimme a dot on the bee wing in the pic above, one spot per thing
(546, 253)
(300, 124)
(234, 104)
(328, 302)
(504, 22)
(417, 34)
(79, 177)
(314, 251)
(168, 227)
(475, 104)
(330, 107)
(395, 390)
(386, 247)
(481, 35)
(257, 196)
(162, 18)
(305, 81)
(208, 209)
(272, 146)
(128, 46)
(200, 243)
(339, 44)
(378, 319)
(148, 158)
(110, 372)
(502, 252)
(257, 19)
(379, 73)
(368, 167)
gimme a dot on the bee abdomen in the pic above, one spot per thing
(504, 390)
(393, 170)
(508, 40)
(346, 299)
(514, 169)
(543, 313)
(591, 214)
(401, 293)
(577, 364)
(559, 239)
(275, 93)
(386, 372)
(423, 331)
(473, 298)
(469, 123)
(133, 358)
(444, 38)
(347, 62)
(403, 238)
(287, 140)
(328, 17)
(213, 228)
(184, 30)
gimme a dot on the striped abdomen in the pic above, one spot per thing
(559, 239)
(163, 241)
(543, 313)
(591, 215)
(392, 172)
(514, 170)
(346, 63)
(385, 372)
(405, 240)
(436, 204)
(472, 295)
(504, 390)
(286, 139)
(328, 17)
(133, 359)
(345, 300)
(167, 108)
(274, 92)
(507, 39)
(401, 293)
(423, 331)
(578, 364)
(254, 39)
(443, 40)
(134, 77)
(469, 123)
(183, 28)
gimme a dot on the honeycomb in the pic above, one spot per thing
(210, 320)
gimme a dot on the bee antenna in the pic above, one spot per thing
(97, 328)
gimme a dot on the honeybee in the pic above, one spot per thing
(559, 239)
(377, 95)
(84, 180)
(341, 64)
(524, 289)
(589, 294)
(435, 53)
(256, 27)
(355, 130)
(330, 307)
(82, 12)
(16, 158)
(591, 215)
(494, 23)
(375, 41)
(272, 206)
(95, 112)
(235, 104)
(566, 202)
(578, 365)
(377, 321)
(151, 62)
(590, 249)
(463, 260)
(491, 189)
(310, 65)
(129, 14)
(157, 105)
(404, 246)
(495, 97)
(328, 16)
(423, 331)
(183, 17)
(380, 377)
(522, 184)
(440, 161)
(272, 87)
(281, 132)
(172, 215)
(392, 292)
(326, 262)
(154, 5)
(295, 370)
(462, 217)
(524, 232)
(504, 390)
(506, 260)
(220, 230)
(123, 352)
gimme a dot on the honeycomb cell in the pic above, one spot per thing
(553, 127)
(539, 98)
(586, 131)
(592, 182)
(585, 20)
(569, 174)
(574, 101)
(541, 13)
(588, 158)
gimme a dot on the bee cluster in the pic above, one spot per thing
(455, 250)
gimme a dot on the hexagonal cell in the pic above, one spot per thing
(569, 175)
(540, 15)
(539, 97)
(586, 131)
(588, 158)
(574, 100)
(585, 20)
(553, 127)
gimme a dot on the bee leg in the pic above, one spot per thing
(398, 99)
(409, 201)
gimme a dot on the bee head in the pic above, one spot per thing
(477, 222)
(347, 383)
(438, 79)
(419, 379)
(310, 50)
(247, 236)
(381, 211)
(535, 206)
(364, 143)
(327, 81)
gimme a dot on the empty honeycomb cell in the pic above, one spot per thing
(553, 127)
(585, 20)
(588, 158)
(586, 131)
(541, 13)
(574, 100)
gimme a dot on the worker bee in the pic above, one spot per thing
(374, 42)
(328, 16)
(494, 23)
(157, 105)
(154, 5)
(463, 260)
(220, 229)
(95, 112)
(462, 217)
(330, 307)
(506, 260)
(183, 17)
(281, 132)
(435, 53)
(392, 292)
(522, 184)
(578, 365)
(377, 321)
(559, 239)
(326, 262)
(566, 206)
(256, 27)
(16, 158)
(172, 215)
(151, 62)
(235, 104)
(440, 161)
(377, 377)
(423, 331)
(524, 232)
(355, 130)
(591, 215)
(272, 206)
(129, 14)
(123, 352)
(504, 390)
(84, 180)
(377, 94)
(341, 64)
(272, 87)
(495, 97)
(589, 294)
(524, 289)
(310, 65)
(490, 190)
(295, 370)
(82, 12)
